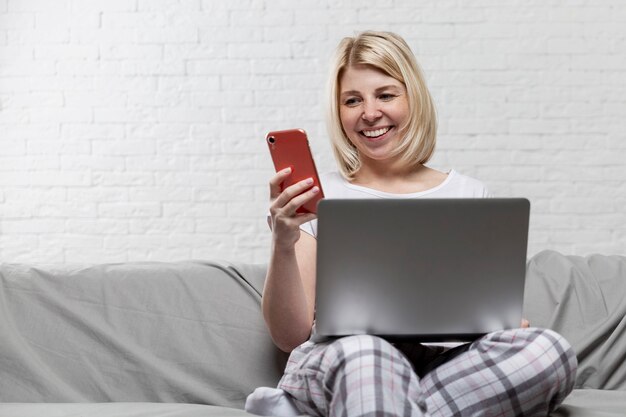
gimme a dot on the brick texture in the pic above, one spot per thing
(133, 129)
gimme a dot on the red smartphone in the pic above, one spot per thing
(290, 148)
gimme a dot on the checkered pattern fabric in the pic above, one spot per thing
(521, 372)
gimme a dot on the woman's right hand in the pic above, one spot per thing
(285, 221)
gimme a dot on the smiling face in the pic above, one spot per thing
(373, 107)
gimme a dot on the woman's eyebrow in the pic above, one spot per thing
(379, 89)
(350, 93)
(388, 87)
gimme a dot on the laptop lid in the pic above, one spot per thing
(426, 269)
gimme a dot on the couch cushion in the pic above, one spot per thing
(118, 410)
(592, 403)
(584, 299)
(136, 332)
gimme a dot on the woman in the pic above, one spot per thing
(382, 125)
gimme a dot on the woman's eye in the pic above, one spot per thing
(386, 97)
(351, 102)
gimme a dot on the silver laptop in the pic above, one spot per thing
(423, 269)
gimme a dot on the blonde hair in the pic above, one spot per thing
(390, 54)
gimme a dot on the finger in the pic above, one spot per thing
(277, 180)
(295, 203)
(292, 191)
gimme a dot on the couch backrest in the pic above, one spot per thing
(162, 332)
(584, 299)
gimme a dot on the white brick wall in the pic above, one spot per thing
(133, 129)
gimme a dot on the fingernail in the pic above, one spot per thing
(286, 170)
(309, 181)
(315, 190)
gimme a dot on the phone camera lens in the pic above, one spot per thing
(271, 139)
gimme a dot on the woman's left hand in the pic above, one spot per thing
(525, 324)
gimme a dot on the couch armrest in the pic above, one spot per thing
(584, 299)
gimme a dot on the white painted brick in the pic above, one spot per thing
(106, 179)
(157, 131)
(44, 178)
(124, 148)
(54, 83)
(46, 147)
(119, 115)
(168, 35)
(154, 19)
(104, 5)
(305, 33)
(185, 179)
(103, 37)
(33, 36)
(130, 51)
(239, 227)
(98, 194)
(214, 32)
(252, 114)
(231, 5)
(89, 162)
(214, 246)
(13, 148)
(95, 256)
(195, 210)
(259, 50)
(25, 254)
(160, 5)
(158, 254)
(64, 210)
(185, 115)
(218, 67)
(35, 99)
(247, 82)
(156, 67)
(157, 163)
(222, 193)
(228, 98)
(50, 20)
(77, 131)
(28, 226)
(161, 194)
(17, 20)
(38, 5)
(16, 210)
(30, 163)
(61, 114)
(27, 67)
(129, 210)
(189, 83)
(613, 173)
(283, 66)
(203, 146)
(161, 225)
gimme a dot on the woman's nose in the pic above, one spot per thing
(371, 112)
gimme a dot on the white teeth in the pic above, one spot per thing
(376, 133)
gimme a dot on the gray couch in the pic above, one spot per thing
(187, 339)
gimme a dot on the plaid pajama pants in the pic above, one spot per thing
(520, 372)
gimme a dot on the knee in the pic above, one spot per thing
(362, 344)
(555, 356)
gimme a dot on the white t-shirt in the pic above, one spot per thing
(455, 186)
